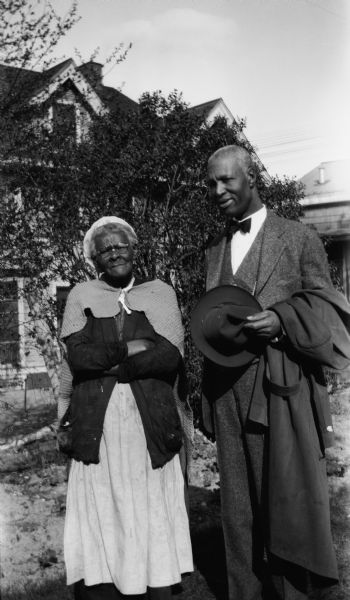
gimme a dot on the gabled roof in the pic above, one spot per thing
(328, 178)
(54, 78)
(112, 98)
(212, 109)
(56, 69)
(204, 109)
(14, 80)
(327, 198)
(36, 87)
(48, 76)
(115, 100)
(24, 85)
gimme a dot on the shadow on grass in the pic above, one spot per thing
(49, 590)
(209, 580)
(208, 543)
(209, 557)
(207, 539)
(340, 510)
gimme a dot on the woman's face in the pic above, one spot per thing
(113, 255)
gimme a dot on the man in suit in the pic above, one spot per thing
(272, 258)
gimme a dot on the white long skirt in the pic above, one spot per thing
(126, 523)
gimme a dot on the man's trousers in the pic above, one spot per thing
(252, 574)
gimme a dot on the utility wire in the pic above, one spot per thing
(290, 135)
(316, 5)
(284, 142)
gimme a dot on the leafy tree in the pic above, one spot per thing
(29, 31)
(148, 166)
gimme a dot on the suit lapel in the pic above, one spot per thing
(215, 262)
(272, 248)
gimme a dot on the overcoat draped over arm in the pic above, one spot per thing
(290, 398)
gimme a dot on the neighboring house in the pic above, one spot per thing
(209, 111)
(327, 207)
(67, 96)
(67, 93)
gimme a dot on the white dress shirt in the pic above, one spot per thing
(242, 242)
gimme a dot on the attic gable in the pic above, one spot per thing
(59, 75)
(209, 111)
(19, 87)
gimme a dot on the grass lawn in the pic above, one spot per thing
(208, 580)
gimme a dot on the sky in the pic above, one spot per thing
(283, 65)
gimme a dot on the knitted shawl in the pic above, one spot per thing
(155, 298)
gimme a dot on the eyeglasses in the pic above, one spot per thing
(119, 249)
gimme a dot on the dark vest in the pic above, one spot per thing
(247, 271)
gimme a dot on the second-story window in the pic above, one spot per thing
(64, 120)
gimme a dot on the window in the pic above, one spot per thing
(64, 120)
(61, 298)
(9, 323)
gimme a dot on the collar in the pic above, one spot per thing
(258, 217)
(123, 293)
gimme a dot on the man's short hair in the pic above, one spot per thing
(238, 152)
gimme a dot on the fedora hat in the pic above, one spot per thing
(217, 326)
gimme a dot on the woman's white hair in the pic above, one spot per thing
(115, 223)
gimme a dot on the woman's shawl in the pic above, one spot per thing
(155, 298)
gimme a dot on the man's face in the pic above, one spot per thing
(231, 186)
(113, 255)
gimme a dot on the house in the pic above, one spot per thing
(66, 93)
(326, 206)
(64, 96)
(67, 96)
(209, 111)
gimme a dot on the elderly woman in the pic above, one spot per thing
(126, 529)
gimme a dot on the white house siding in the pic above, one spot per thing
(326, 206)
(332, 219)
(30, 357)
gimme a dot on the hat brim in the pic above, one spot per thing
(236, 296)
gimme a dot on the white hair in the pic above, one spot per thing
(115, 223)
(238, 152)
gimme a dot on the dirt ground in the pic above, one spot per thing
(33, 481)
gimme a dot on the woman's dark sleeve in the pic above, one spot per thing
(84, 355)
(160, 362)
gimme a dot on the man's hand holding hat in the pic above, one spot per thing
(220, 329)
(265, 324)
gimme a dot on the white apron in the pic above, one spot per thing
(126, 523)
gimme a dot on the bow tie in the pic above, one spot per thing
(233, 226)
